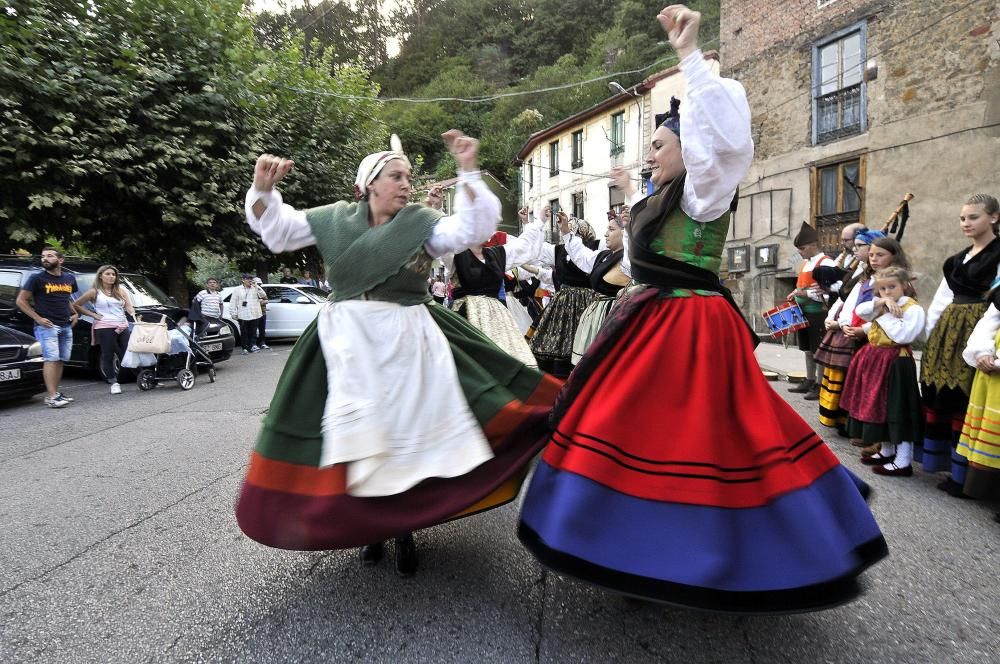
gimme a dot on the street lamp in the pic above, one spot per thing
(616, 88)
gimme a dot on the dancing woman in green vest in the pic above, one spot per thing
(675, 472)
(392, 413)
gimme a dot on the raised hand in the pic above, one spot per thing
(464, 149)
(622, 180)
(435, 197)
(563, 222)
(269, 171)
(681, 25)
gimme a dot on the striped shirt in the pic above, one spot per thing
(211, 303)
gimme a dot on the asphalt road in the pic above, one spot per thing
(118, 544)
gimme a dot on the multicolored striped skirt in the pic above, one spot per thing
(980, 439)
(677, 474)
(288, 501)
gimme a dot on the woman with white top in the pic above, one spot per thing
(959, 303)
(352, 452)
(110, 328)
(674, 471)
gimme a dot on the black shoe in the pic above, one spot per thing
(996, 517)
(406, 556)
(813, 394)
(878, 460)
(842, 431)
(952, 488)
(371, 554)
(802, 387)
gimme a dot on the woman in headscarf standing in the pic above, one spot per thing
(478, 279)
(552, 343)
(675, 472)
(352, 452)
(606, 280)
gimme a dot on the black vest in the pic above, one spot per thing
(566, 273)
(606, 261)
(476, 277)
(971, 281)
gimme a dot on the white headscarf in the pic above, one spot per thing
(373, 164)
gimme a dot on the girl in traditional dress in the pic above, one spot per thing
(352, 451)
(836, 349)
(881, 390)
(606, 280)
(675, 472)
(478, 278)
(882, 252)
(552, 343)
(979, 442)
(959, 303)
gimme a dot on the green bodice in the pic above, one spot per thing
(386, 262)
(696, 243)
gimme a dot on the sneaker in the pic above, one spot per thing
(56, 401)
(67, 399)
(254, 349)
(265, 347)
(116, 388)
(244, 352)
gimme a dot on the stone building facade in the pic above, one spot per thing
(854, 104)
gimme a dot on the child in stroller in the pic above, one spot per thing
(180, 364)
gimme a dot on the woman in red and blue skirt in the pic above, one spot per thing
(675, 473)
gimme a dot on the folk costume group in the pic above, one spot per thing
(652, 479)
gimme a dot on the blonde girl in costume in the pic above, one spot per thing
(979, 442)
(881, 390)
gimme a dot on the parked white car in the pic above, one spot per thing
(290, 308)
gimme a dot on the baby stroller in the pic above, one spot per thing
(181, 364)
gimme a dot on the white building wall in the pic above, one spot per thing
(592, 177)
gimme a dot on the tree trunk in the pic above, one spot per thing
(177, 285)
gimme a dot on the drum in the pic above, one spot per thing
(784, 320)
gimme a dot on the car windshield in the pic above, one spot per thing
(142, 291)
(315, 293)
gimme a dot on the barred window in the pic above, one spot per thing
(839, 94)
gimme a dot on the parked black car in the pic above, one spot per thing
(147, 297)
(20, 365)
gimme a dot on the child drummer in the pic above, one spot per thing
(812, 300)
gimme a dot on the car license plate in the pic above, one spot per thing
(211, 348)
(10, 374)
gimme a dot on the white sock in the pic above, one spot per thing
(904, 455)
(887, 450)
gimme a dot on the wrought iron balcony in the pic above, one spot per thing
(838, 114)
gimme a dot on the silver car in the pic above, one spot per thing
(290, 308)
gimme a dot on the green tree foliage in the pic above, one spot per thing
(466, 48)
(130, 127)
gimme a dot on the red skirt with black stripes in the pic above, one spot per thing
(676, 473)
(680, 419)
